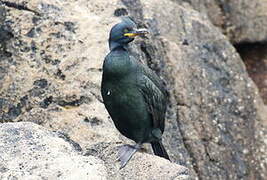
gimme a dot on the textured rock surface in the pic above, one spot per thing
(218, 111)
(244, 22)
(141, 166)
(29, 151)
(51, 68)
(50, 73)
(240, 20)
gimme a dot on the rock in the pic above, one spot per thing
(141, 166)
(51, 71)
(52, 68)
(29, 151)
(240, 20)
(244, 22)
(212, 99)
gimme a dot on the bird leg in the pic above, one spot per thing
(126, 152)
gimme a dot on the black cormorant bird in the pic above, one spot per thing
(133, 94)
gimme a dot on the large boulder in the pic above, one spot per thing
(220, 127)
(51, 67)
(244, 22)
(241, 20)
(31, 152)
(51, 59)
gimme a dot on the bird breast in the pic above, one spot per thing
(117, 67)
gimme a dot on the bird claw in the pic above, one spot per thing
(125, 154)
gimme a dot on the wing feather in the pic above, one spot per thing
(155, 96)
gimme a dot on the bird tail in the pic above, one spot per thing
(159, 149)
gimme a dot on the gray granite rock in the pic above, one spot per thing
(241, 20)
(221, 123)
(50, 72)
(29, 151)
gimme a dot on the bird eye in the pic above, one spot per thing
(126, 30)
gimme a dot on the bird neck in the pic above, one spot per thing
(113, 45)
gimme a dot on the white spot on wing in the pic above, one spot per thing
(108, 93)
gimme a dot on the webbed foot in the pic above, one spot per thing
(126, 152)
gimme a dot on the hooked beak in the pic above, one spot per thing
(136, 32)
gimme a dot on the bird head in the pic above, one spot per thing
(123, 33)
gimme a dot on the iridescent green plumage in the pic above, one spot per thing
(133, 95)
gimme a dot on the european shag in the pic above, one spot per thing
(133, 94)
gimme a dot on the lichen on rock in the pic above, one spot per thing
(50, 73)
